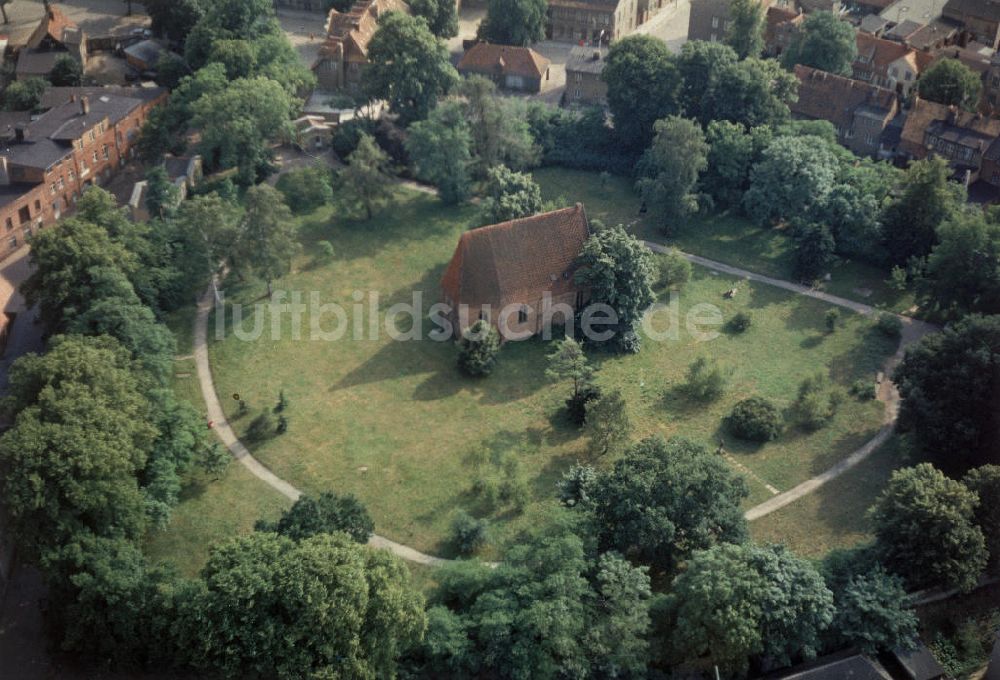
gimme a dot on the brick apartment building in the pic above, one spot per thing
(45, 164)
(584, 84)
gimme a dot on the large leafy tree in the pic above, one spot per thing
(736, 603)
(732, 152)
(268, 238)
(663, 500)
(79, 439)
(173, 19)
(950, 384)
(924, 525)
(272, 607)
(227, 20)
(499, 127)
(620, 272)
(513, 22)
(323, 514)
(670, 169)
(963, 270)
(752, 92)
(441, 151)
(700, 64)
(952, 83)
(204, 231)
(440, 15)
(925, 199)
(644, 85)
(793, 177)
(549, 610)
(873, 612)
(509, 195)
(984, 481)
(825, 42)
(410, 67)
(366, 177)
(568, 362)
(746, 29)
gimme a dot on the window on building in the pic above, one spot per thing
(894, 72)
(93, 136)
(52, 187)
(10, 223)
(105, 153)
(522, 315)
(95, 157)
(12, 242)
(72, 176)
(907, 76)
(38, 205)
(576, 93)
(714, 38)
(61, 184)
(24, 214)
(715, 22)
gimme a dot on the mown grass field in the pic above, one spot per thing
(397, 425)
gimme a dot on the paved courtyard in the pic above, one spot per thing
(95, 17)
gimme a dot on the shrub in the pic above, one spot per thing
(889, 325)
(487, 490)
(740, 322)
(817, 402)
(831, 318)
(576, 405)
(755, 419)
(323, 514)
(264, 426)
(347, 136)
(864, 390)
(325, 253)
(705, 381)
(478, 349)
(306, 189)
(468, 533)
(675, 269)
(575, 485)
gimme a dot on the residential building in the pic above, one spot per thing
(584, 84)
(55, 36)
(313, 132)
(961, 137)
(520, 69)
(79, 141)
(145, 54)
(888, 64)
(991, 83)
(860, 111)
(341, 60)
(597, 21)
(979, 19)
(518, 275)
(708, 20)
(781, 25)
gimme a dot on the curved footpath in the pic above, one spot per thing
(913, 330)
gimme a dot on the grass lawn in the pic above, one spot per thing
(397, 425)
(723, 237)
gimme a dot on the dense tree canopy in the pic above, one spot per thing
(440, 15)
(752, 92)
(732, 152)
(952, 83)
(792, 178)
(700, 64)
(514, 22)
(746, 28)
(441, 150)
(644, 85)
(670, 169)
(925, 200)
(826, 42)
(962, 275)
(509, 195)
(268, 239)
(323, 514)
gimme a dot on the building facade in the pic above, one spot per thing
(592, 21)
(979, 19)
(584, 84)
(341, 61)
(888, 64)
(963, 138)
(79, 142)
(518, 69)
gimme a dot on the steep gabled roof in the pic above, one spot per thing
(517, 261)
(948, 122)
(503, 59)
(57, 27)
(825, 96)
(350, 32)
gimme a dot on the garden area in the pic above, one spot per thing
(397, 425)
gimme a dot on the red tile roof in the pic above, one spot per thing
(503, 59)
(825, 96)
(517, 261)
(969, 129)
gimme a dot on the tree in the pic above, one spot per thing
(513, 22)
(755, 419)
(441, 150)
(366, 177)
(509, 196)
(644, 85)
(323, 514)
(66, 72)
(700, 64)
(814, 250)
(568, 362)
(948, 382)
(238, 122)
(793, 177)
(985, 482)
(620, 272)
(816, 403)
(80, 436)
(162, 195)
(753, 92)
(478, 349)
(925, 200)
(962, 275)
(825, 42)
(468, 533)
(173, 18)
(670, 168)
(267, 605)
(732, 152)
(440, 16)
(499, 127)
(704, 380)
(409, 67)
(268, 240)
(873, 613)
(306, 189)
(734, 603)
(663, 500)
(674, 269)
(924, 525)
(24, 95)
(746, 29)
(607, 423)
(952, 83)
(252, 20)
(206, 228)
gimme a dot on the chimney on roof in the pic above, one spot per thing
(85, 105)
